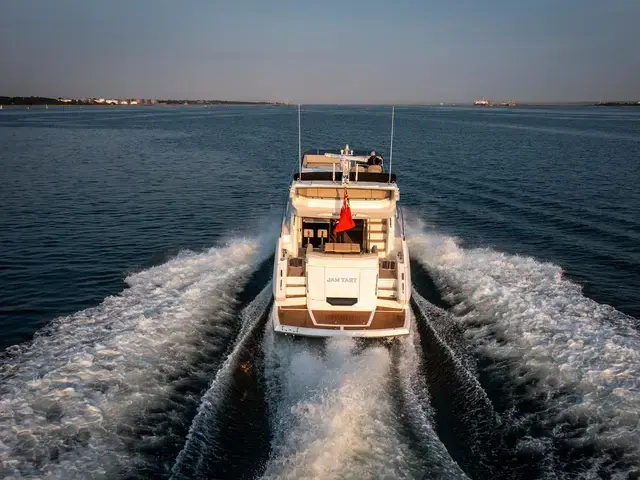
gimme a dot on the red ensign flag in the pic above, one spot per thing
(345, 222)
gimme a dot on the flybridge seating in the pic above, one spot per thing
(319, 175)
(331, 165)
(325, 159)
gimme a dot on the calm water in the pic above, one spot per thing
(134, 275)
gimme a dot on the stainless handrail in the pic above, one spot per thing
(401, 216)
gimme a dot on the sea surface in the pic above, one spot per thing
(135, 260)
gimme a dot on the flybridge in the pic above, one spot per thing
(345, 165)
(339, 176)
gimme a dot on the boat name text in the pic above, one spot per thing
(342, 279)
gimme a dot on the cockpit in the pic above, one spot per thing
(367, 236)
(317, 232)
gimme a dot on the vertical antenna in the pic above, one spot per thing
(299, 146)
(393, 114)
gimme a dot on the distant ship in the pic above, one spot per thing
(486, 103)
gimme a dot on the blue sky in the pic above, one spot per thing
(323, 51)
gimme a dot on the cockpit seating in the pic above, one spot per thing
(332, 247)
(322, 234)
(308, 234)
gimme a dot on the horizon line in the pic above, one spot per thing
(293, 103)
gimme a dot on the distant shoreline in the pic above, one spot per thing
(159, 105)
(618, 104)
(92, 102)
(32, 101)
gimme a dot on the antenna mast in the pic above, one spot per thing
(393, 114)
(299, 146)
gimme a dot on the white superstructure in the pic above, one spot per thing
(355, 283)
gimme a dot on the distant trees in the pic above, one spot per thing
(29, 101)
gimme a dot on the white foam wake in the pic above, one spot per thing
(436, 322)
(581, 356)
(333, 414)
(334, 418)
(202, 428)
(419, 412)
(70, 399)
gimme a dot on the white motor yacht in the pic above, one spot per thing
(341, 264)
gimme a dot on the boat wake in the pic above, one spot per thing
(414, 398)
(464, 414)
(561, 370)
(207, 448)
(97, 390)
(514, 374)
(333, 411)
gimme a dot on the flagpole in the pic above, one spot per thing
(393, 113)
(299, 146)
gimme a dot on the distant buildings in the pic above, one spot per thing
(116, 101)
(66, 101)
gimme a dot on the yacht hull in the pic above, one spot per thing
(343, 330)
(341, 266)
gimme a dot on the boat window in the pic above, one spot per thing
(318, 232)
